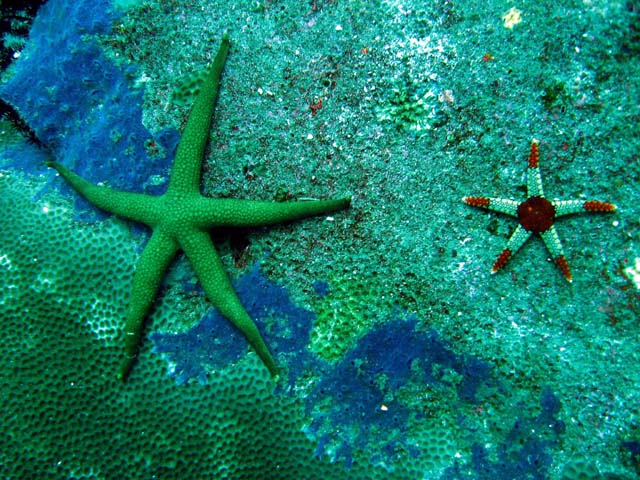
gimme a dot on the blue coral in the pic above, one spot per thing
(82, 105)
(214, 342)
(211, 344)
(525, 451)
(386, 359)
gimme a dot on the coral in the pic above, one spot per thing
(80, 104)
(581, 470)
(525, 451)
(364, 385)
(631, 454)
(214, 343)
(15, 151)
(416, 100)
(342, 313)
(407, 110)
(554, 96)
(436, 444)
(66, 417)
(189, 88)
(46, 269)
(61, 327)
(208, 346)
(366, 395)
(15, 20)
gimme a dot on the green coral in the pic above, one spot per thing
(188, 89)
(581, 470)
(554, 95)
(440, 441)
(9, 134)
(407, 110)
(345, 314)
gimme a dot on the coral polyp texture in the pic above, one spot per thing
(341, 314)
(87, 112)
(537, 214)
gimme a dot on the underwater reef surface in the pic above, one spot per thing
(401, 356)
(81, 105)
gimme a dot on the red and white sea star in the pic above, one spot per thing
(536, 214)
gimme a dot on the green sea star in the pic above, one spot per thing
(537, 214)
(181, 218)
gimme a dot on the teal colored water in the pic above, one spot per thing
(402, 356)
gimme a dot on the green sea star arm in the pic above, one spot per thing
(250, 213)
(134, 206)
(185, 173)
(153, 262)
(206, 263)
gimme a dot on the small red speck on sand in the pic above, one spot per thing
(314, 107)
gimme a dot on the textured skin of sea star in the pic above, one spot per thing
(181, 219)
(536, 214)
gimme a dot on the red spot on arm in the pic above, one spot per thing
(563, 265)
(502, 260)
(596, 206)
(482, 202)
(533, 155)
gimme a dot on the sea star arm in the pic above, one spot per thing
(534, 178)
(567, 207)
(501, 205)
(185, 173)
(153, 262)
(250, 213)
(206, 263)
(554, 246)
(517, 239)
(134, 206)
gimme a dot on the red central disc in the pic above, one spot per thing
(536, 214)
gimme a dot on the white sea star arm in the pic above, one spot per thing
(503, 205)
(567, 207)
